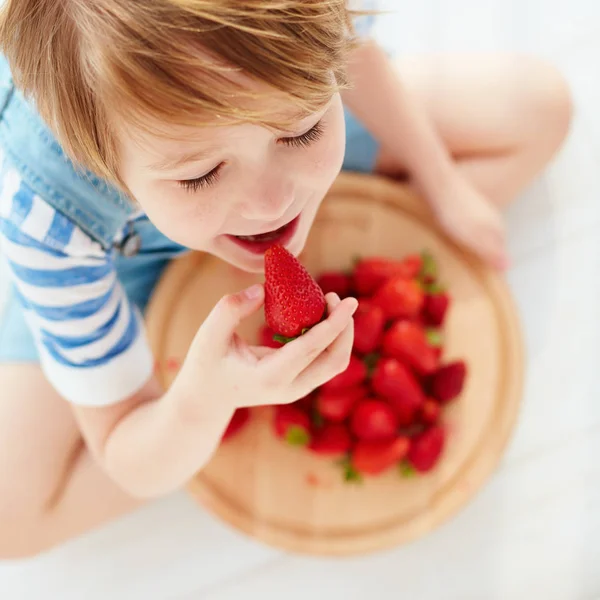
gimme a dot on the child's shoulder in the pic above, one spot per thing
(28, 221)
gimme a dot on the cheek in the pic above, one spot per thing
(329, 154)
(188, 219)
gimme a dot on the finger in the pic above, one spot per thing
(495, 251)
(295, 356)
(218, 328)
(330, 363)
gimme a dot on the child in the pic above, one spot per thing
(216, 126)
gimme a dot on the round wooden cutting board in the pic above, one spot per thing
(289, 498)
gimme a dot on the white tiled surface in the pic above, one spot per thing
(534, 532)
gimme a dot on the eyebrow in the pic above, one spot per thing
(169, 163)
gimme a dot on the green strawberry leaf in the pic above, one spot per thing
(406, 470)
(429, 270)
(351, 475)
(355, 260)
(282, 339)
(434, 337)
(433, 288)
(297, 436)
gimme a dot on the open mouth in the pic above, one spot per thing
(260, 243)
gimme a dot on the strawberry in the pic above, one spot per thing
(374, 421)
(239, 419)
(334, 281)
(435, 308)
(305, 404)
(400, 298)
(372, 458)
(369, 322)
(448, 381)
(266, 335)
(292, 424)
(407, 341)
(426, 449)
(293, 300)
(393, 381)
(430, 411)
(354, 375)
(331, 440)
(412, 264)
(370, 273)
(336, 405)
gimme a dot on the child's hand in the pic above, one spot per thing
(472, 220)
(221, 368)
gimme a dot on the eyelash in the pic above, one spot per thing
(312, 136)
(193, 185)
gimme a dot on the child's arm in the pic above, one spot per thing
(153, 443)
(394, 117)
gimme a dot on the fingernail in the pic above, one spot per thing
(253, 292)
(355, 304)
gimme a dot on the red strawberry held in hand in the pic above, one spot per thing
(371, 273)
(266, 338)
(374, 421)
(369, 322)
(354, 375)
(240, 417)
(448, 381)
(435, 308)
(292, 425)
(400, 298)
(294, 301)
(335, 281)
(426, 449)
(336, 405)
(332, 439)
(372, 458)
(393, 381)
(407, 341)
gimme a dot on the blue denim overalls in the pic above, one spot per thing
(99, 209)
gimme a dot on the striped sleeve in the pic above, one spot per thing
(89, 336)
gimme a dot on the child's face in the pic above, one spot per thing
(215, 184)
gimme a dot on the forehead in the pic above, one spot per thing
(160, 145)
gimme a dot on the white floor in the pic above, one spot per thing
(534, 532)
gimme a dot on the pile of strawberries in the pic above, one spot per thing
(385, 409)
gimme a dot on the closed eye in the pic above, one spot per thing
(210, 178)
(313, 135)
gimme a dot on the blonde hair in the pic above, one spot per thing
(84, 62)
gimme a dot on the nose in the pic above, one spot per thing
(267, 199)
